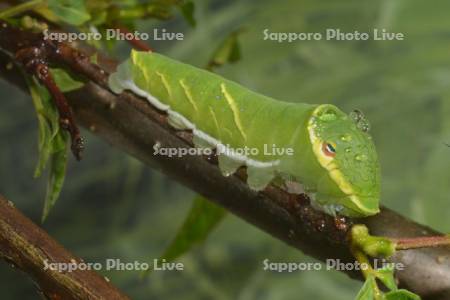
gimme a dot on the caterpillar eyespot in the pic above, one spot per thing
(328, 149)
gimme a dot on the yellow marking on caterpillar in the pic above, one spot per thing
(357, 200)
(214, 118)
(230, 134)
(145, 73)
(326, 161)
(234, 109)
(188, 94)
(165, 84)
(343, 184)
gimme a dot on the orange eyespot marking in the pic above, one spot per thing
(328, 149)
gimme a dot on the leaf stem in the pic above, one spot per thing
(422, 242)
(135, 42)
(362, 258)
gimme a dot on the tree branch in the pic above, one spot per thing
(27, 247)
(130, 123)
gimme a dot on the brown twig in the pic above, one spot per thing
(422, 242)
(133, 125)
(31, 249)
(35, 53)
(135, 42)
(35, 62)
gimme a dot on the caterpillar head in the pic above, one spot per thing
(344, 149)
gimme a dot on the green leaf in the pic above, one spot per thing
(227, 52)
(199, 223)
(386, 276)
(187, 9)
(53, 144)
(58, 166)
(401, 295)
(367, 291)
(20, 8)
(64, 81)
(47, 123)
(43, 147)
(374, 246)
(70, 11)
(99, 11)
(370, 290)
(44, 131)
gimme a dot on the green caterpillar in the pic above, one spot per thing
(332, 158)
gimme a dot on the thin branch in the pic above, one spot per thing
(421, 242)
(29, 248)
(135, 42)
(35, 62)
(131, 124)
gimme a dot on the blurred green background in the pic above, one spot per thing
(114, 207)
